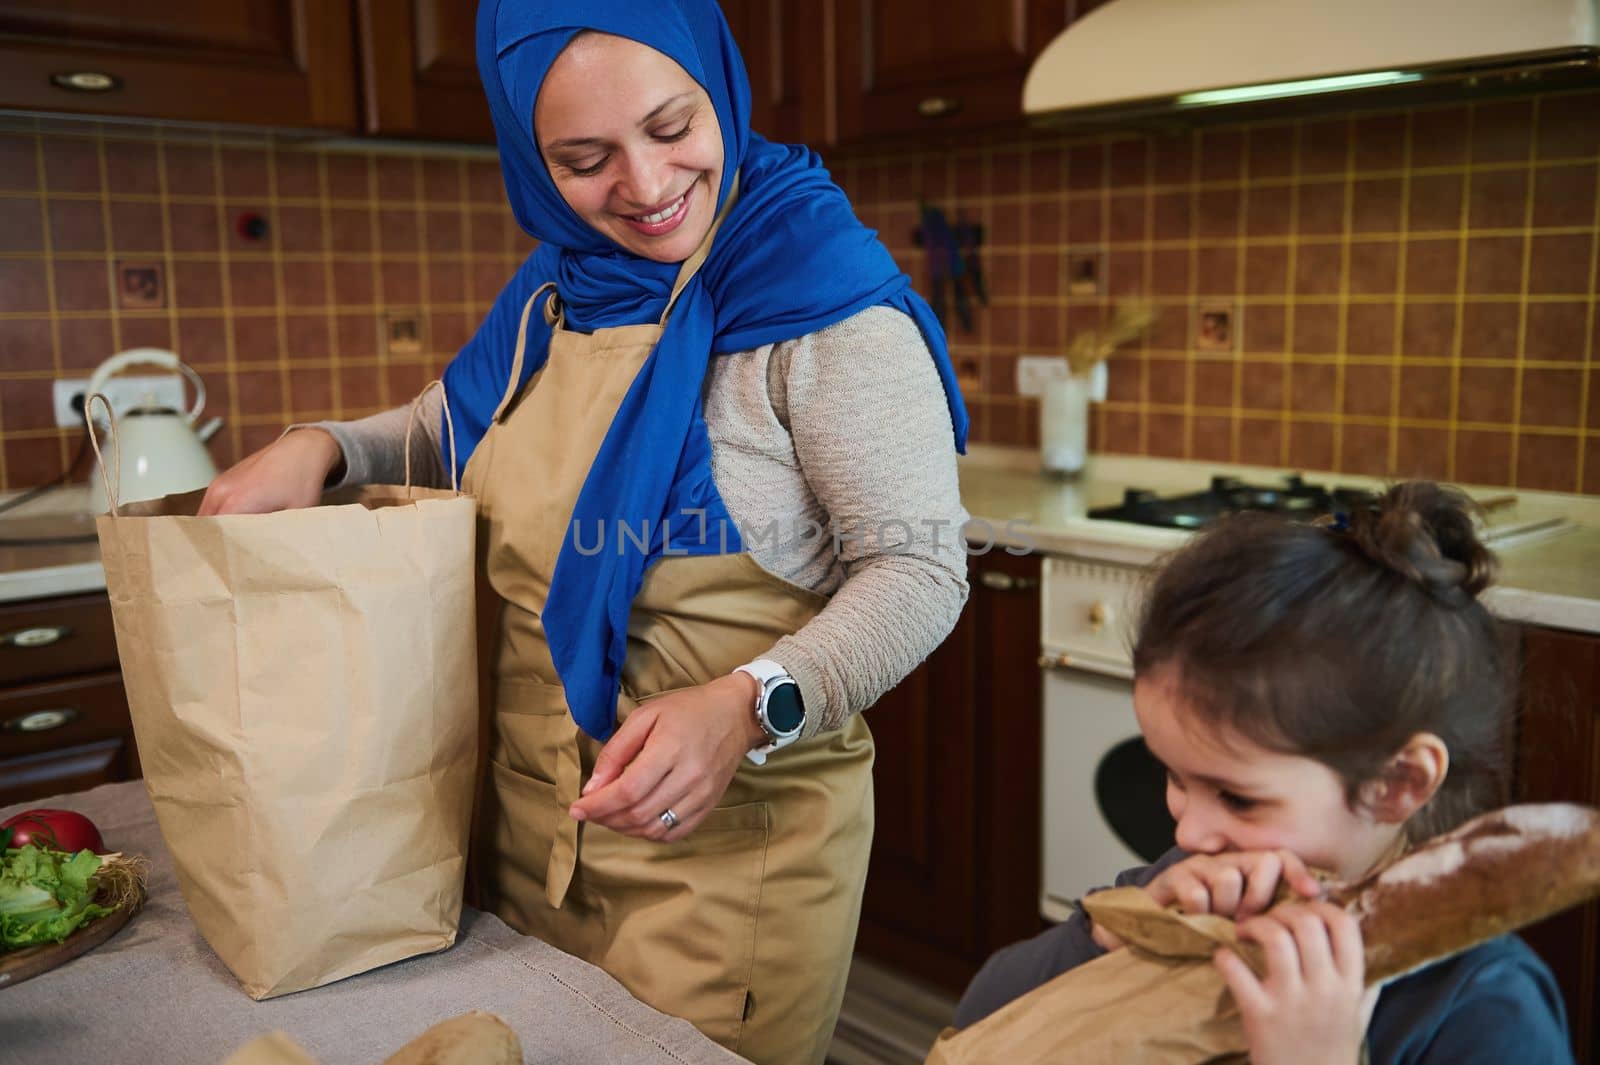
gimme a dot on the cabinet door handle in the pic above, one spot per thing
(42, 720)
(938, 106)
(86, 81)
(1005, 582)
(1055, 661)
(37, 636)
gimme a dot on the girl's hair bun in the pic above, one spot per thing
(1426, 532)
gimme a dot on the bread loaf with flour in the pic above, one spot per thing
(1492, 875)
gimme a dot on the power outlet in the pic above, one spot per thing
(125, 394)
(1034, 370)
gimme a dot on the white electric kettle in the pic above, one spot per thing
(160, 452)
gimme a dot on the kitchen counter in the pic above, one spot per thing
(156, 992)
(1548, 543)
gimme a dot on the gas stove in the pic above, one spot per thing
(1293, 496)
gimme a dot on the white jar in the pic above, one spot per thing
(1064, 424)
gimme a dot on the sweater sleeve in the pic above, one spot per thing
(872, 432)
(374, 448)
(1013, 971)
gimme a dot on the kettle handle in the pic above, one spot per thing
(149, 357)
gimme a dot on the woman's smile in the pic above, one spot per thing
(660, 222)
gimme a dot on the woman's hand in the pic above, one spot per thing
(677, 752)
(1239, 884)
(287, 473)
(1312, 1006)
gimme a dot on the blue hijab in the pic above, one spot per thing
(791, 258)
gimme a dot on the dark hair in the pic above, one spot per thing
(1341, 640)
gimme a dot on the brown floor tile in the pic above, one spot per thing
(1084, 221)
(256, 340)
(1171, 215)
(310, 392)
(202, 340)
(71, 164)
(298, 174)
(26, 404)
(1086, 165)
(401, 284)
(305, 284)
(1122, 432)
(1591, 466)
(245, 173)
(1005, 225)
(1045, 171)
(447, 284)
(398, 232)
(194, 227)
(196, 283)
(32, 461)
(85, 342)
(1439, 136)
(1124, 273)
(1428, 330)
(1261, 385)
(1217, 271)
(354, 284)
(151, 332)
(1321, 208)
(1266, 269)
(349, 176)
(1173, 329)
(1127, 217)
(137, 227)
(1041, 327)
(1167, 436)
(1268, 209)
(358, 336)
(1169, 271)
(252, 283)
(1041, 222)
(1005, 172)
(300, 230)
(397, 178)
(191, 169)
(1272, 151)
(1045, 273)
(1380, 141)
(1168, 382)
(307, 336)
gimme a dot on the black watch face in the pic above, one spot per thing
(785, 710)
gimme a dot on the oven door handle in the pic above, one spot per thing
(1086, 663)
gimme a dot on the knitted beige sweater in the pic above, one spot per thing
(845, 431)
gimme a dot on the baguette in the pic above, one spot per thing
(1492, 875)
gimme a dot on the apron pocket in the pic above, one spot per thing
(522, 815)
(681, 917)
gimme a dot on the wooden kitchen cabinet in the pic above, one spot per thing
(419, 70)
(1558, 759)
(791, 67)
(64, 722)
(906, 66)
(280, 63)
(954, 873)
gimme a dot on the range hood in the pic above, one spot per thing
(1132, 58)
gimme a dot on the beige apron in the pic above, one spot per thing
(746, 927)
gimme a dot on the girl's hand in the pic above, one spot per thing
(1312, 1006)
(676, 752)
(1238, 884)
(287, 473)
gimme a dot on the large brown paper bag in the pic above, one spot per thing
(303, 690)
(1158, 1001)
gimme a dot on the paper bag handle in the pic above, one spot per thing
(111, 482)
(450, 429)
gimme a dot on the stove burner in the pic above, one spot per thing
(1229, 495)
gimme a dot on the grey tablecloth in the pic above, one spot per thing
(155, 992)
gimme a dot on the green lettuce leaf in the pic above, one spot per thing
(45, 895)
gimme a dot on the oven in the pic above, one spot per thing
(1104, 794)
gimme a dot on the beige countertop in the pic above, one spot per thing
(1549, 543)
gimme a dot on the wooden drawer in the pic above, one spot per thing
(40, 776)
(62, 713)
(55, 637)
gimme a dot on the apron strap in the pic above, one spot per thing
(551, 305)
(692, 264)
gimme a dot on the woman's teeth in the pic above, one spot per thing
(662, 215)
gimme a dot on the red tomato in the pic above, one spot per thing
(62, 830)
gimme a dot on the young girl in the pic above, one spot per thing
(1323, 696)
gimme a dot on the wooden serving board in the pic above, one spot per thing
(19, 965)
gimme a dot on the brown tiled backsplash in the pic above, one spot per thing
(1411, 292)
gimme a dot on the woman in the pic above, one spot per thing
(702, 562)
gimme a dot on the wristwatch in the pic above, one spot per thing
(780, 710)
